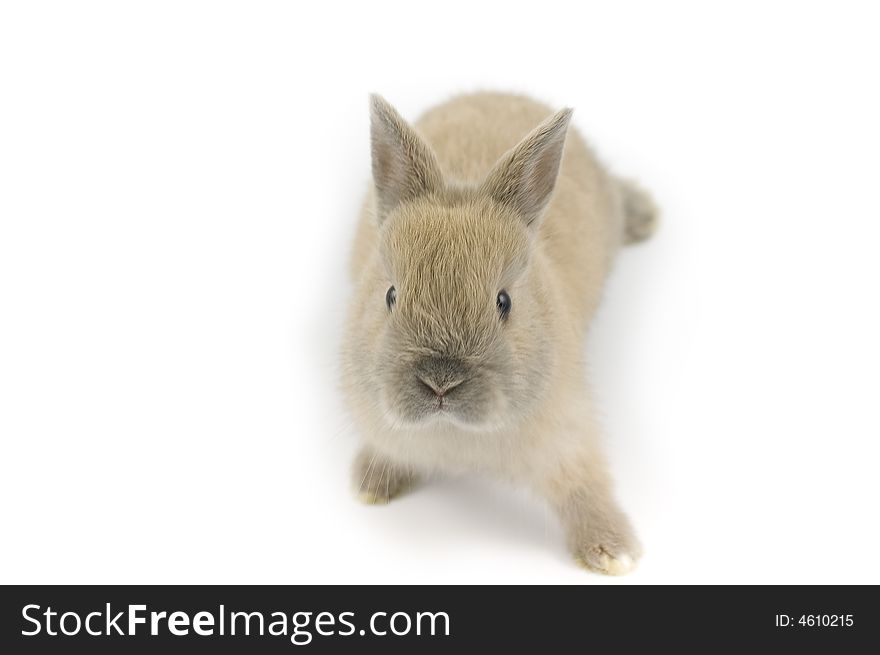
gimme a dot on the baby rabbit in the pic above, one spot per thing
(478, 263)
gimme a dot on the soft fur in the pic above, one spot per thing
(487, 192)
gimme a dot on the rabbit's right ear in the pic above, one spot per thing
(404, 166)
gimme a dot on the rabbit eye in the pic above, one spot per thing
(391, 297)
(503, 302)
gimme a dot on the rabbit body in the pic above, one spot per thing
(478, 264)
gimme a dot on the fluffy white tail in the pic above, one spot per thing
(640, 212)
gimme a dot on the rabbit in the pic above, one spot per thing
(478, 263)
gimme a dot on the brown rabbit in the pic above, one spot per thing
(478, 263)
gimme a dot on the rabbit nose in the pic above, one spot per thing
(439, 389)
(441, 374)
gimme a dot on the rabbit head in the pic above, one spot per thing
(462, 311)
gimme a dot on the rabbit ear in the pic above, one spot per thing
(404, 166)
(525, 176)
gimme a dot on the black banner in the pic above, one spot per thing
(333, 619)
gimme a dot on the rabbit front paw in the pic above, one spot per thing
(602, 539)
(377, 479)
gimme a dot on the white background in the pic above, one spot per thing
(179, 183)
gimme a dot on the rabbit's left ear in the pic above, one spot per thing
(404, 166)
(524, 177)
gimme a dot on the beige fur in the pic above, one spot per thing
(480, 197)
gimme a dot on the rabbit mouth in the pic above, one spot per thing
(417, 406)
